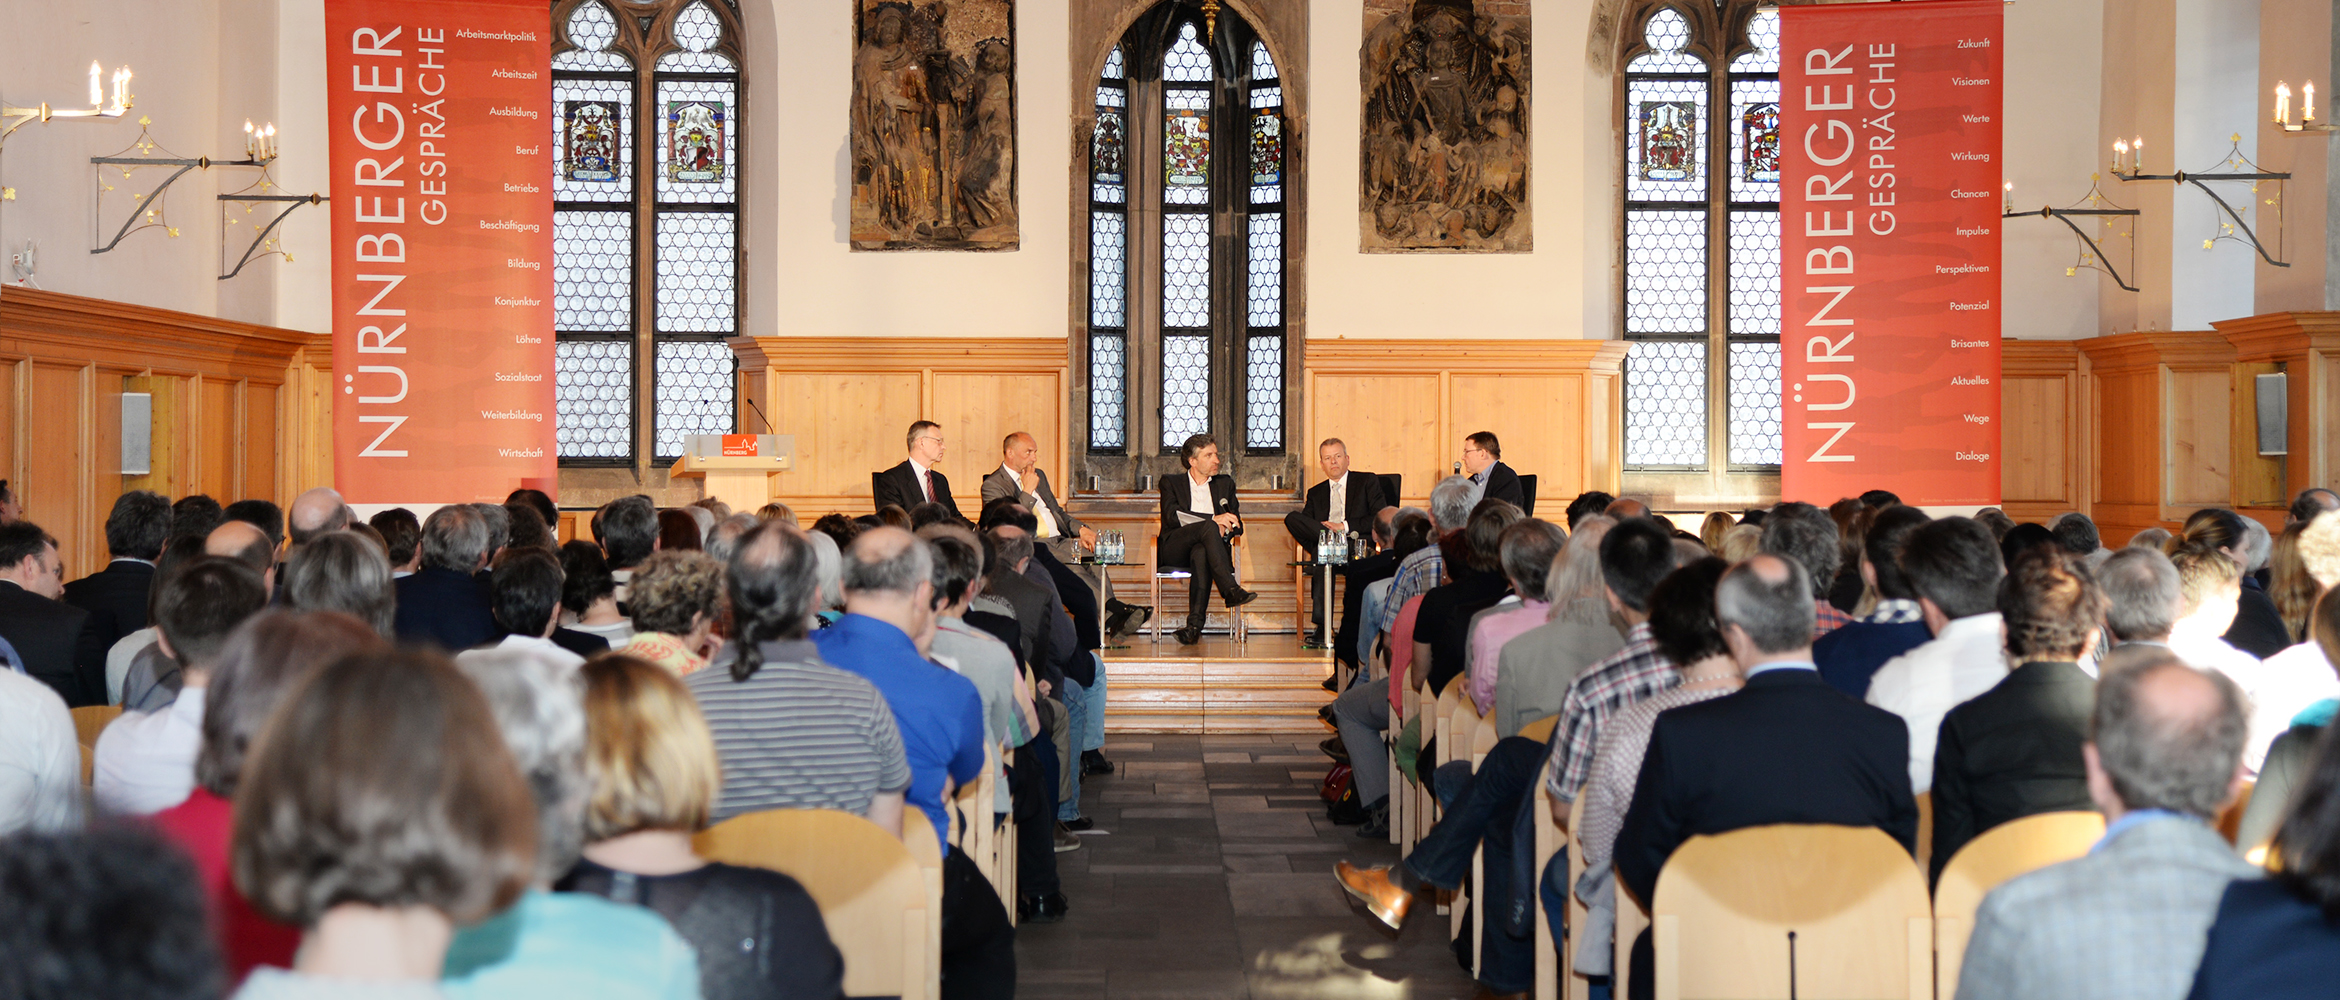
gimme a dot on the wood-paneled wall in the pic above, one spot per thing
(240, 411)
(1404, 406)
(2047, 438)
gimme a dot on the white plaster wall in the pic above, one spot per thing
(2216, 90)
(2054, 59)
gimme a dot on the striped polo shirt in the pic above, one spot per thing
(798, 734)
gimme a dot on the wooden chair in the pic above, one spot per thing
(88, 722)
(1541, 729)
(2230, 818)
(1444, 710)
(2001, 853)
(974, 828)
(1579, 987)
(1925, 834)
(1727, 905)
(1156, 572)
(1482, 741)
(1631, 921)
(1549, 838)
(879, 906)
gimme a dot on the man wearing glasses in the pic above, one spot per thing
(1482, 461)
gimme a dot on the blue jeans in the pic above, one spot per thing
(1087, 705)
(1483, 809)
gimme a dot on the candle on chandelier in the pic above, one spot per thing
(250, 150)
(121, 90)
(2308, 105)
(268, 140)
(2282, 103)
(2120, 154)
(2137, 155)
(2007, 201)
(97, 97)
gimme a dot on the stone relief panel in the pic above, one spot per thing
(934, 125)
(1444, 163)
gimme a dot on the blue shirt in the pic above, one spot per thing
(2134, 818)
(566, 945)
(939, 713)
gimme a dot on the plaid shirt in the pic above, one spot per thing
(1627, 676)
(1826, 619)
(1895, 611)
(1415, 577)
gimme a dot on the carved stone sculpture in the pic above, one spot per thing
(933, 125)
(1444, 158)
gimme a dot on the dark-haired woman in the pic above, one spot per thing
(2279, 937)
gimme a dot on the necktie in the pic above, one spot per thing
(926, 483)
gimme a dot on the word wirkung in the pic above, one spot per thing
(1836, 141)
(380, 250)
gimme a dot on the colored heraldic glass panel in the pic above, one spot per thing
(1668, 133)
(1186, 154)
(1109, 152)
(594, 398)
(694, 392)
(1665, 403)
(591, 137)
(696, 143)
(1267, 147)
(1758, 147)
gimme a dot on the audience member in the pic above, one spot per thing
(139, 645)
(2278, 937)
(776, 511)
(2283, 772)
(839, 528)
(791, 731)
(1200, 520)
(589, 595)
(378, 810)
(2149, 538)
(1358, 575)
(627, 529)
(1587, 504)
(442, 602)
(1712, 530)
(265, 660)
(1804, 533)
(1527, 550)
(527, 605)
(2257, 627)
(316, 512)
(195, 515)
(374, 538)
(724, 540)
(40, 758)
(915, 480)
(1880, 499)
(1741, 542)
(261, 514)
(1042, 628)
(758, 934)
(1482, 461)
(2310, 502)
(2208, 581)
(678, 531)
(110, 913)
(499, 536)
(115, 597)
(1847, 590)
(246, 543)
(1681, 616)
(1075, 630)
(2128, 919)
(2014, 750)
(1533, 672)
(1626, 509)
(537, 501)
(2143, 597)
(528, 530)
(1474, 567)
(558, 944)
(2289, 584)
(1450, 509)
(145, 760)
(403, 534)
(1635, 557)
(1954, 567)
(1749, 759)
(1896, 624)
(678, 601)
(2077, 534)
(1997, 521)
(342, 572)
(53, 641)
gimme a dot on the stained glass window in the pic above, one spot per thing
(1188, 236)
(1264, 341)
(652, 94)
(1701, 253)
(1109, 259)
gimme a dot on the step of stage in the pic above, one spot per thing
(1270, 684)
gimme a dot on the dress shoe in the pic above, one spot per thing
(1078, 824)
(1046, 909)
(1376, 825)
(1330, 686)
(1325, 712)
(1123, 620)
(1065, 841)
(1189, 635)
(1093, 762)
(1242, 597)
(1383, 898)
(1335, 749)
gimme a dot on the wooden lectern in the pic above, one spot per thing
(738, 468)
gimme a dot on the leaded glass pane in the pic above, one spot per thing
(1665, 271)
(1113, 65)
(696, 146)
(1754, 277)
(1108, 253)
(1262, 66)
(1263, 394)
(1267, 156)
(1186, 269)
(1754, 389)
(1665, 145)
(1187, 61)
(1763, 33)
(1665, 403)
(593, 394)
(593, 157)
(1266, 278)
(696, 272)
(1754, 140)
(1186, 147)
(593, 272)
(697, 31)
(591, 29)
(694, 392)
(1668, 36)
(1186, 389)
(1267, 97)
(1108, 389)
(1109, 148)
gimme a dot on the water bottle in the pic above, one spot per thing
(1323, 544)
(1341, 550)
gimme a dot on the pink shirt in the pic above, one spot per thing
(1487, 639)
(1401, 651)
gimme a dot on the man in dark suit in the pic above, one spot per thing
(53, 638)
(1358, 575)
(1345, 502)
(115, 597)
(1020, 478)
(1482, 461)
(1200, 518)
(915, 481)
(1787, 748)
(441, 602)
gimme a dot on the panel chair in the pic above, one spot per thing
(1727, 905)
(88, 722)
(1549, 838)
(2001, 853)
(1578, 987)
(1390, 481)
(1925, 834)
(974, 827)
(873, 895)
(1527, 492)
(1439, 727)
(1157, 570)
(1482, 742)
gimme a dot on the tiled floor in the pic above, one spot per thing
(1213, 879)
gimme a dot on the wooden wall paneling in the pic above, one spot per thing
(214, 425)
(52, 492)
(256, 460)
(1389, 422)
(2306, 346)
(845, 428)
(2046, 431)
(1537, 418)
(2257, 481)
(2165, 401)
(978, 411)
(2198, 438)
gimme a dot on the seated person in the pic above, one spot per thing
(145, 762)
(1474, 569)
(1851, 654)
(1482, 460)
(1199, 519)
(1533, 672)
(1344, 502)
(915, 480)
(2274, 937)
(677, 602)
(1529, 549)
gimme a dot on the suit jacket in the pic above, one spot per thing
(115, 598)
(1034, 494)
(1355, 578)
(899, 485)
(1032, 625)
(2126, 921)
(1533, 672)
(1363, 501)
(1177, 491)
(444, 607)
(2258, 627)
(2268, 944)
(1787, 748)
(57, 643)
(584, 644)
(1503, 484)
(2012, 752)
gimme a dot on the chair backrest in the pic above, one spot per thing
(2229, 823)
(1391, 483)
(1443, 712)
(2001, 853)
(1578, 987)
(873, 895)
(873, 489)
(1925, 834)
(1541, 729)
(1527, 492)
(88, 722)
(1843, 907)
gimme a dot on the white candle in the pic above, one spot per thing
(2120, 154)
(2137, 155)
(2007, 201)
(2308, 110)
(2282, 103)
(97, 96)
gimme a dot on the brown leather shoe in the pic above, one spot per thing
(1383, 898)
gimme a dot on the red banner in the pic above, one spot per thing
(1890, 203)
(442, 248)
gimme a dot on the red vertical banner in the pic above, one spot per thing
(1890, 203)
(442, 248)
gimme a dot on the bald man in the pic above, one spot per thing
(1627, 508)
(1020, 478)
(316, 512)
(247, 544)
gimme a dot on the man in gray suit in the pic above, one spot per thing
(2129, 919)
(1020, 477)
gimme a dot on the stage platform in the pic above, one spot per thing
(1269, 684)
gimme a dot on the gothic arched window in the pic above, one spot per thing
(646, 181)
(1187, 181)
(1700, 119)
